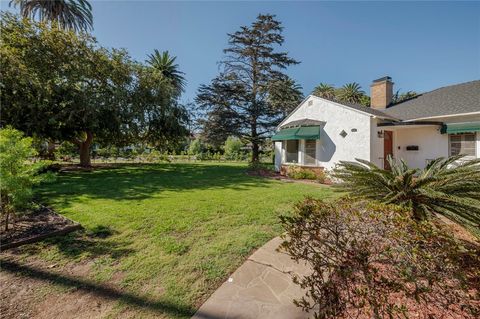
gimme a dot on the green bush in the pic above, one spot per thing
(297, 172)
(374, 261)
(66, 151)
(17, 173)
(234, 149)
(196, 147)
(447, 186)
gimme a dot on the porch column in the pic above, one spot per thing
(301, 152)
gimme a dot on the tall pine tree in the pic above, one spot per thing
(251, 94)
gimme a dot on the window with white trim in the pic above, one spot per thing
(310, 152)
(291, 151)
(462, 144)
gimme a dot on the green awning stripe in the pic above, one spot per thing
(452, 128)
(298, 133)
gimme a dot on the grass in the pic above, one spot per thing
(169, 232)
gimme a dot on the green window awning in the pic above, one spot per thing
(452, 128)
(298, 133)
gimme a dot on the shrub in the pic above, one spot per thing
(446, 186)
(66, 151)
(17, 174)
(196, 147)
(374, 261)
(297, 172)
(234, 149)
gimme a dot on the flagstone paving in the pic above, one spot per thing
(261, 288)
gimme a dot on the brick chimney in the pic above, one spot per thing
(381, 93)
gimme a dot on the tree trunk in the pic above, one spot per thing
(84, 146)
(7, 219)
(255, 152)
(254, 141)
(51, 150)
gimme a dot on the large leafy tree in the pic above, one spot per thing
(241, 100)
(61, 86)
(165, 63)
(68, 14)
(284, 95)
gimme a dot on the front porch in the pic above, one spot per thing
(418, 143)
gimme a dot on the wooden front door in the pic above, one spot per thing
(387, 147)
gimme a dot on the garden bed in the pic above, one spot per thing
(36, 226)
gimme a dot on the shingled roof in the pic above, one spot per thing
(450, 100)
(363, 108)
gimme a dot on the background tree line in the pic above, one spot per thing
(353, 93)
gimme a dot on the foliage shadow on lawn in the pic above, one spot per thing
(76, 244)
(137, 182)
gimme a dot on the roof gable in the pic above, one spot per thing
(359, 108)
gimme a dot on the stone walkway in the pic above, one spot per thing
(261, 288)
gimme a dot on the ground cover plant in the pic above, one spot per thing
(374, 261)
(159, 238)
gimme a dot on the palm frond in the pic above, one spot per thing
(165, 64)
(447, 186)
(68, 14)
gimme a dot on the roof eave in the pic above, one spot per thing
(442, 116)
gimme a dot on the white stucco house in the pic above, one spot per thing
(443, 122)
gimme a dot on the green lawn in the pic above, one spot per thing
(169, 233)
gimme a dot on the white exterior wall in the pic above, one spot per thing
(376, 143)
(278, 155)
(431, 144)
(478, 144)
(332, 147)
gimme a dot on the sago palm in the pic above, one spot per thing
(165, 63)
(447, 186)
(351, 93)
(68, 14)
(324, 90)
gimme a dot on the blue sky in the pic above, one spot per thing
(421, 45)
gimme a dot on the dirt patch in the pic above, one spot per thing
(34, 297)
(76, 304)
(35, 226)
(32, 288)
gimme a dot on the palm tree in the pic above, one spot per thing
(324, 90)
(69, 14)
(165, 63)
(351, 93)
(447, 186)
